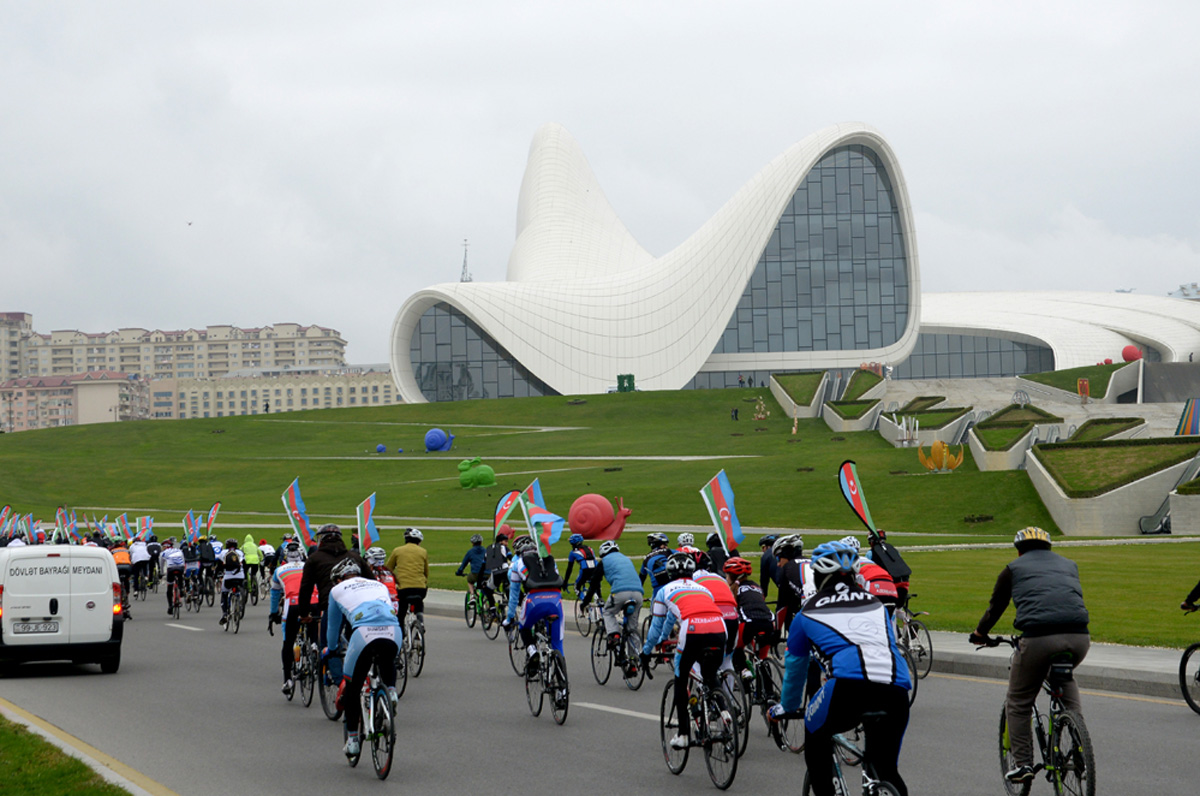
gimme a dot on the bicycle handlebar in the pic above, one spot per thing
(996, 641)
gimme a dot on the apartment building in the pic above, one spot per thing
(263, 391)
(105, 396)
(189, 353)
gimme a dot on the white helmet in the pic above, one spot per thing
(852, 542)
(376, 556)
(293, 554)
(685, 540)
(789, 546)
(608, 547)
(413, 534)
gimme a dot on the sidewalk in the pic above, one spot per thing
(1146, 671)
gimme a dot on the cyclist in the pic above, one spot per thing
(139, 557)
(849, 634)
(795, 576)
(475, 558)
(120, 554)
(1053, 622)
(701, 634)
(618, 570)
(191, 564)
(543, 597)
(375, 634)
(756, 627)
(173, 561)
(654, 565)
(233, 575)
(716, 551)
(285, 593)
(410, 564)
(1189, 602)
(330, 550)
(496, 563)
(722, 595)
(155, 550)
(252, 559)
(377, 557)
(269, 559)
(685, 542)
(768, 566)
(208, 559)
(586, 558)
(873, 578)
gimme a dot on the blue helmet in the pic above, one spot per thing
(576, 539)
(833, 557)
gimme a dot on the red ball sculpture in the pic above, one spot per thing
(1131, 353)
(592, 517)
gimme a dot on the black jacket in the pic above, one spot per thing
(316, 573)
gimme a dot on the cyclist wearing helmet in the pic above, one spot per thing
(475, 558)
(233, 575)
(375, 636)
(139, 556)
(756, 625)
(285, 594)
(154, 548)
(624, 585)
(850, 635)
(207, 557)
(795, 576)
(701, 634)
(706, 575)
(173, 561)
(768, 566)
(330, 550)
(1053, 621)
(716, 551)
(410, 564)
(267, 553)
(586, 558)
(496, 563)
(654, 565)
(252, 557)
(120, 554)
(377, 559)
(684, 541)
(543, 596)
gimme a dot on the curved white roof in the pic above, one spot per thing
(584, 301)
(1081, 328)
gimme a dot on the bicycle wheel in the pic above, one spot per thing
(601, 657)
(239, 608)
(302, 676)
(912, 675)
(470, 610)
(559, 688)
(788, 734)
(633, 673)
(491, 622)
(328, 691)
(416, 653)
(1189, 676)
(721, 742)
(851, 754)
(583, 620)
(401, 671)
(1008, 762)
(1074, 760)
(516, 653)
(534, 692)
(668, 728)
(383, 734)
(921, 646)
(735, 695)
(253, 592)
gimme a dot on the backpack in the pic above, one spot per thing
(888, 557)
(541, 573)
(496, 559)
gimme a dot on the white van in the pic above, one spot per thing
(60, 602)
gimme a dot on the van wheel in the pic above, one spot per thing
(110, 664)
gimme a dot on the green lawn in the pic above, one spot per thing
(1101, 428)
(1098, 377)
(1001, 437)
(938, 418)
(1087, 469)
(1021, 414)
(860, 382)
(852, 410)
(800, 387)
(922, 402)
(35, 767)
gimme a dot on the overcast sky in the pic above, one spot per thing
(172, 165)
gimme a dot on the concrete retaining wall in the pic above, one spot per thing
(1114, 513)
(999, 460)
(948, 433)
(838, 423)
(1120, 382)
(1185, 514)
(791, 408)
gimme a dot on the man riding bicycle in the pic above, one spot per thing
(174, 562)
(543, 597)
(410, 564)
(475, 559)
(375, 635)
(654, 565)
(851, 636)
(285, 594)
(377, 558)
(318, 567)
(615, 567)
(586, 558)
(233, 576)
(756, 626)
(1053, 622)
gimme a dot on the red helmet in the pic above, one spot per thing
(738, 567)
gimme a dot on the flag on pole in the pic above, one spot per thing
(852, 491)
(212, 517)
(189, 526)
(123, 529)
(533, 494)
(718, 499)
(4, 512)
(89, 523)
(297, 515)
(36, 531)
(544, 526)
(504, 507)
(368, 534)
(102, 524)
(145, 526)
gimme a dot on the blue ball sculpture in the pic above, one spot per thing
(438, 440)
(381, 448)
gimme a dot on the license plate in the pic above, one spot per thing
(35, 627)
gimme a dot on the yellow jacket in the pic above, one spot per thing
(410, 564)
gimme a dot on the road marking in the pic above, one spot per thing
(184, 627)
(1088, 691)
(64, 739)
(618, 711)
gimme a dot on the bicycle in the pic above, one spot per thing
(1189, 675)
(237, 608)
(1063, 742)
(377, 724)
(713, 729)
(550, 677)
(912, 633)
(139, 587)
(153, 577)
(624, 654)
(176, 599)
(209, 585)
(848, 751)
(477, 606)
(326, 687)
(765, 688)
(306, 664)
(587, 617)
(494, 613)
(413, 648)
(252, 584)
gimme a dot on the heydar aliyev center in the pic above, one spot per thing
(811, 265)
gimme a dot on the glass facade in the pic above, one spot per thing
(953, 356)
(834, 275)
(453, 360)
(719, 380)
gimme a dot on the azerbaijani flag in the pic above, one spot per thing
(718, 499)
(4, 512)
(297, 515)
(36, 532)
(544, 526)
(102, 524)
(368, 534)
(123, 527)
(145, 525)
(189, 526)
(533, 493)
(852, 491)
(212, 517)
(504, 507)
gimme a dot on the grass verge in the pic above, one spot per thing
(801, 387)
(860, 382)
(34, 767)
(1088, 469)
(851, 410)
(1104, 427)
(1098, 377)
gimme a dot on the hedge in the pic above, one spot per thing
(860, 382)
(931, 419)
(800, 387)
(1088, 469)
(1001, 437)
(1098, 377)
(1014, 413)
(922, 402)
(1103, 427)
(851, 410)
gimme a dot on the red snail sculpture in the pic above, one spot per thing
(592, 516)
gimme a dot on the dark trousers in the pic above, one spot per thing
(291, 627)
(383, 652)
(708, 649)
(1030, 664)
(848, 700)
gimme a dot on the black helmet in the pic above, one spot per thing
(329, 530)
(346, 568)
(680, 565)
(657, 540)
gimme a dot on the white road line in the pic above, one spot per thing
(618, 711)
(184, 627)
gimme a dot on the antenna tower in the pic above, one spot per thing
(466, 274)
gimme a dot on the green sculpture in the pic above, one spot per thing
(473, 473)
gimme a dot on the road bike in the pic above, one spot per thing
(208, 585)
(586, 617)
(848, 751)
(713, 729)
(624, 654)
(153, 577)
(912, 633)
(139, 586)
(252, 585)
(237, 608)
(1189, 675)
(413, 648)
(549, 678)
(306, 664)
(176, 598)
(193, 593)
(1061, 737)
(764, 688)
(264, 584)
(327, 688)
(377, 724)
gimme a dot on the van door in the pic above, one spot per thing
(91, 607)
(37, 592)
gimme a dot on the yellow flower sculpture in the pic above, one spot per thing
(940, 458)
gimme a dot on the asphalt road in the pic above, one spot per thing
(199, 711)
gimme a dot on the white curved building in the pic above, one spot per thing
(812, 264)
